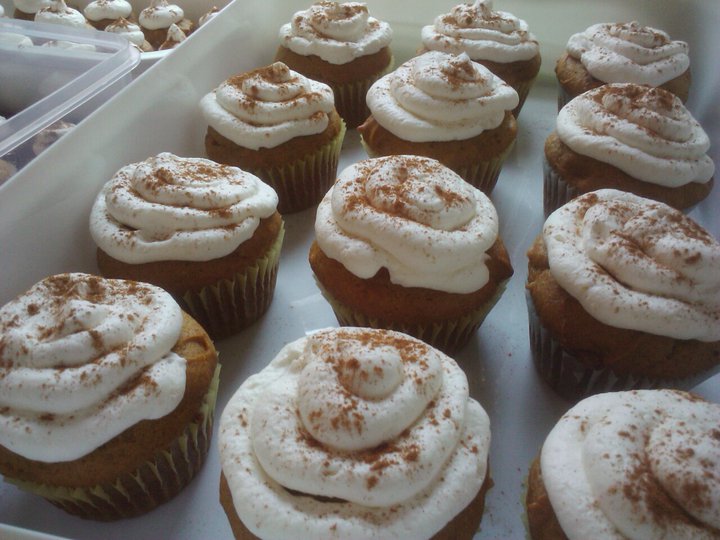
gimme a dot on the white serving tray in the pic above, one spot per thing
(44, 212)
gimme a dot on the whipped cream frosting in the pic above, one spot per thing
(629, 52)
(645, 132)
(31, 6)
(82, 359)
(413, 216)
(268, 106)
(440, 97)
(59, 13)
(173, 208)
(638, 264)
(636, 465)
(98, 10)
(377, 420)
(175, 36)
(130, 31)
(160, 14)
(482, 33)
(336, 32)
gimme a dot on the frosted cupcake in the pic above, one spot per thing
(26, 9)
(132, 32)
(447, 108)
(175, 37)
(637, 464)
(341, 45)
(107, 392)
(403, 243)
(496, 39)
(355, 433)
(101, 13)
(156, 19)
(622, 53)
(207, 233)
(628, 137)
(57, 12)
(279, 125)
(623, 292)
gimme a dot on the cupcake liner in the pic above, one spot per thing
(153, 483)
(574, 380)
(305, 182)
(350, 98)
(449, 335)
(556, 192)
(230, 305)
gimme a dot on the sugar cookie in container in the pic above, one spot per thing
(355, 433)
(623, 293)
(622, 52)
(496, 39)
(340, 44)
(107, 393)
(639, 464)
(156, 19)
(403, 243)
(280, 125)
(207, 233)
(627, 137)
(445, 107)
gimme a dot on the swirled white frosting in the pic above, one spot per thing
(31, 6)
(82, 359)
(637, 264)
(636, 465)
(130, 31)
(440, 97)
(646, 132)
(376, 419)
(482, 33)
(160, 14)
(336, 32)
(629, 52)
(59, 13)
(268, 106)
(98, 10)
(413, 216)
(173, 208)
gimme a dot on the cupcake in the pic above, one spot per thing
(279, 125)
(627, 137)
(403, 243)
(623, 293)
(622, 53)
(59, 13)
(638, 464)
(26, 9)
(496, 39)
(447, 108)
(341, 45)
(155, 20)
(175, 37)
(207, 233)
(301, 454)
(132, 32)
(101, 13)
(107, 392)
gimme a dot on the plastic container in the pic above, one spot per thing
(42, 84)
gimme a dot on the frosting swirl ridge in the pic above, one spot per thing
(482, 33)
(173, 208)
(646, 132)
(440, 97)
(413, 216)
(637, 264)
(82, 359)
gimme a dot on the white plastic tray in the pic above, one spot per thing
(43, 230)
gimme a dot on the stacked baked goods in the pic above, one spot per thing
(403, 243)
(107, 392)
(355, 433)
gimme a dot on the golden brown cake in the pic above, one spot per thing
(445, 107)
(633, 305)
(280, 126)
(496, 39)
(355, 433)
(622, 53)
(217, 254)
(126, 422)
(627, 137)
(631, 464)
(341, 45)
(419, 252)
